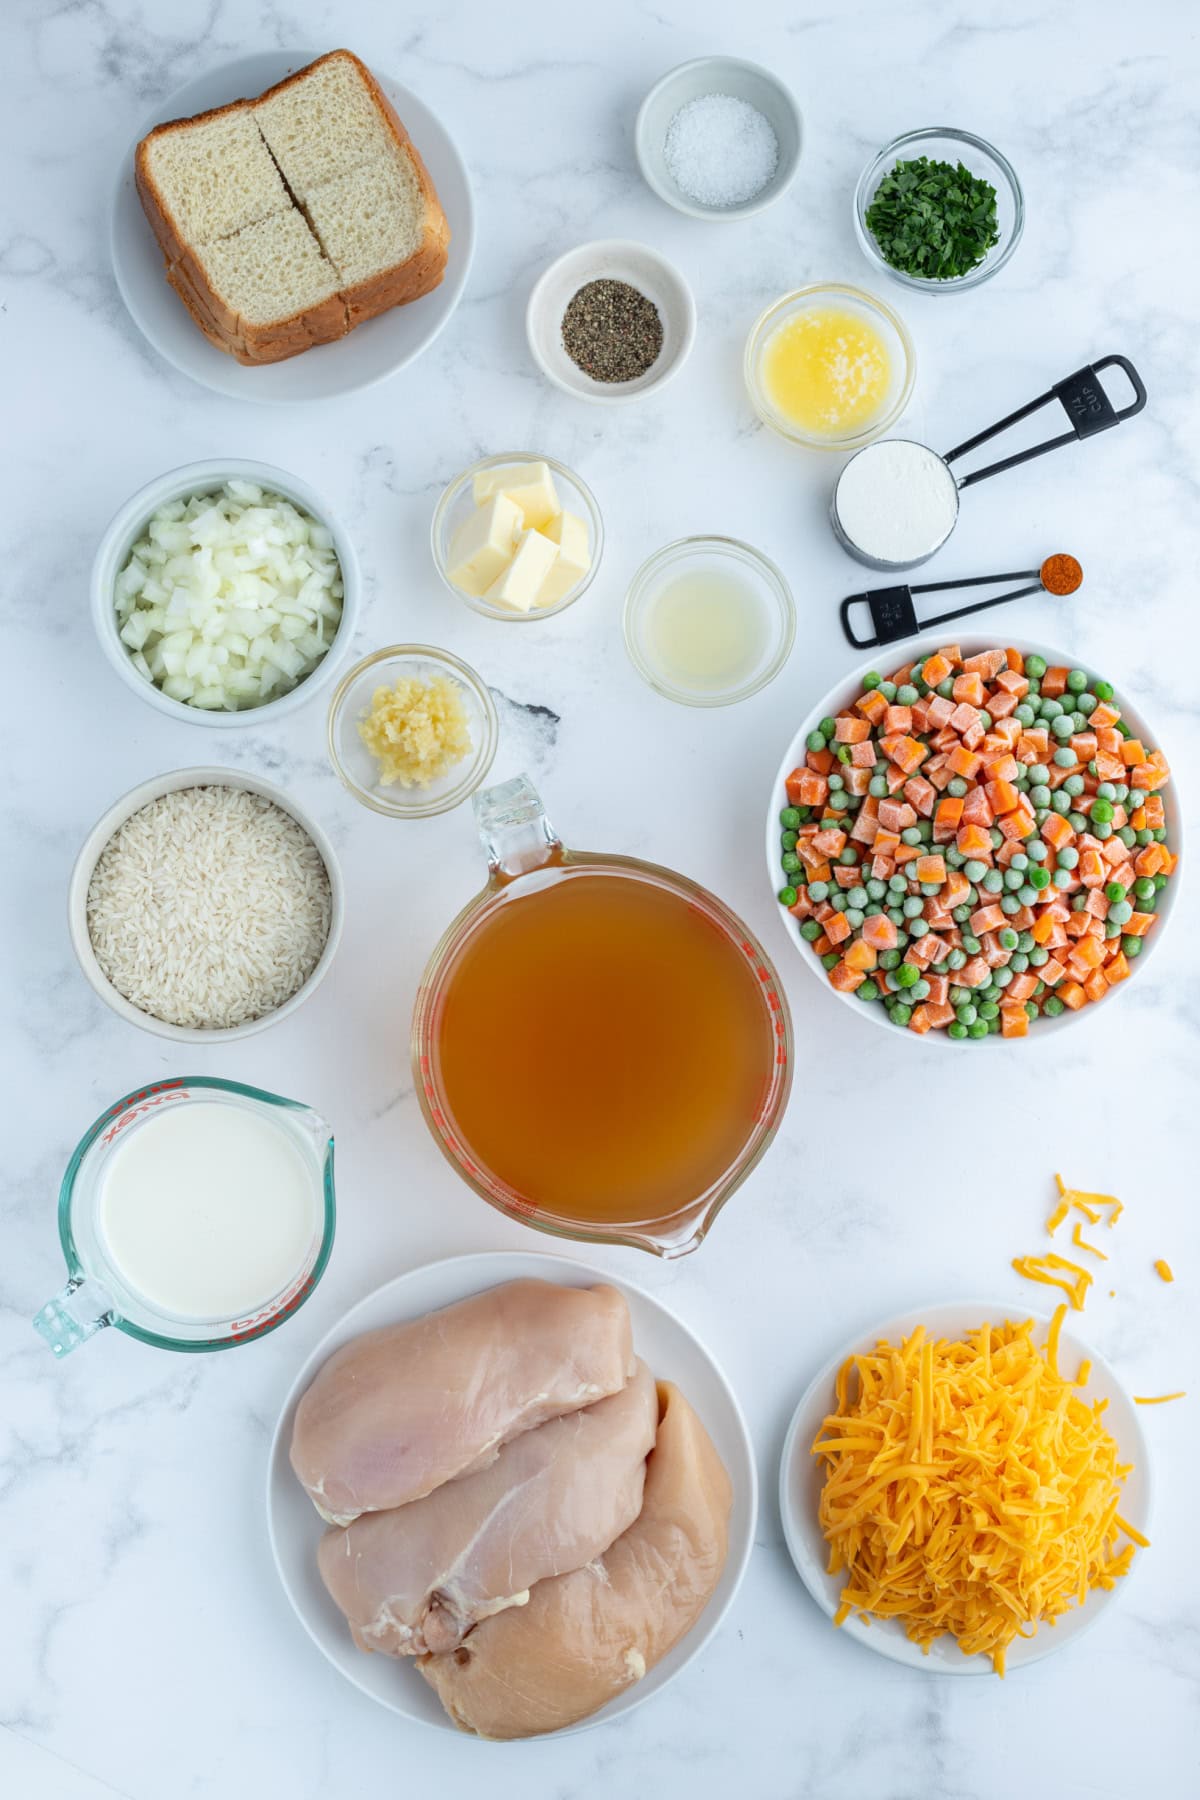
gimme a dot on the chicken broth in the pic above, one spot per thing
(603, 1047)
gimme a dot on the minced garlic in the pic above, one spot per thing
(416, 730)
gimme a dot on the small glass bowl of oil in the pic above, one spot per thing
(829, 366)
(709, 620)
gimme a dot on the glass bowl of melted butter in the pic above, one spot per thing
(830, 367)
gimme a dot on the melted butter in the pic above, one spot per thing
(826, 371)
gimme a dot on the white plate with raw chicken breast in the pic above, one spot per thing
(472, 1515)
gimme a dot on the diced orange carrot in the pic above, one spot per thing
(879, 932)
(1014, 1022)
(1095, 987)
(920, 1021)
(820, 760)
(1054, 683)
(1138, 924)
(849, 730)
(987, 918)
(939, 1012)
(931, 869)
(909, 754)
(1002, 794)
(1132, 751)
(1117, 969)
(872, 705)
(1072, 995)
(936, 669)
(1103, 716)
(861, 955)
(1021, 987)
(837, 929)
(844, 978)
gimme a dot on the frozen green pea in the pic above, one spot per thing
(1160, 882)
(924, 831)
(1038, 879)
(889, 959)
(895, 915)
(1068, 857)
(1012, 880)
(930, 889)
(918, 927)
(913, 907)
(1111, 930)
(838, 901)
(827, 727)
(789, 862)
(960, 914)
(1102, 809)
(967, 1014)
(871, 679)
(1002, 977)
(974, 870)
(1076, 681)
(900, 1014)
(1116, 891)
(888, 690)
(1020, 861)
(1008, 939)
(1102, 828)
(1035, 667)
(818, 890)
(898, 884)
(907, 974)
(878, 787)
(910, 835)
(847, 857)
(1052, 1006)
(872, 908)
(830, 960)
(1062, 727)
(1104, 690)
(993, 881)
(868, 991)
(1120, 912)
(907, 695)
(857, 896)
(1027, 894)
(1077, 821)
(1065, 757)
(1009, 904)
(789, 818)
(1078, 902)
(1143, 887)
(1038, 772)
(956, 958)
(1038, 956)
(979, 1029)
(1018, 962)
(1060, 802)
(1106, 791)
(956, 787)
(854, 917)
(954, 857)
(988, 1009)
(816, 740)
(1049, 709)
(946, 688)
(920, 989)
(876, 889)
(1074, 785)
(789, 839)
(1132, 946)
(956, 1029)
(997, 837)
(1145, 836)
(788, 897)
(835, 781)
(1087, 703)
(811, 930)
(970, 944)
(985, 718)
(1040, 795)
(1024, 713)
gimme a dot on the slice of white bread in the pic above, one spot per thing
(286, 221)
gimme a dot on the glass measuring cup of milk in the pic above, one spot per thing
(195, 1214)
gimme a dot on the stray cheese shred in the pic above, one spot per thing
(969, 1489)
(1164, 1270)
(1158, 1399)
(1077, 1239)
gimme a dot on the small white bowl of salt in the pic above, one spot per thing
(719, 138)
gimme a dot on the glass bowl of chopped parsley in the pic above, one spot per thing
(939, 210)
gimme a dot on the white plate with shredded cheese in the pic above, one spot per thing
(802, 1478)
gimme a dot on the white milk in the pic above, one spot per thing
(208, 1210)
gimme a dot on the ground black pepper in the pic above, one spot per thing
(611, 331)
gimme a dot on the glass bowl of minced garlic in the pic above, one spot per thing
(412, 731)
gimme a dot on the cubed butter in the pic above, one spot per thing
(573, 561)
(529, 485)
(483, 545)
(520, 586)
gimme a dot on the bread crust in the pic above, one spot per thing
(330, 319)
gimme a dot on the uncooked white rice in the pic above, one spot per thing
(209, 907)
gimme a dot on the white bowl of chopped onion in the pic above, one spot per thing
(234, 916)
(224, 592)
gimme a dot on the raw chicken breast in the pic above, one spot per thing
(397, 1412)
(585, 1637)
(418, 1577)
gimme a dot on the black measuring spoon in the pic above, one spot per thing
(894, 473)
(894, 615)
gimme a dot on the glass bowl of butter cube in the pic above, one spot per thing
(517, 536)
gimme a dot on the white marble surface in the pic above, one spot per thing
(145, 1649)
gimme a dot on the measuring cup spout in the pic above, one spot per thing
(73, 1316)
(514, 830)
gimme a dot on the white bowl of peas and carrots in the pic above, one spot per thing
(1038, 868)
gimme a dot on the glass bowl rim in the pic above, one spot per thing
(857, 440)
(992, 263)
(678, 550)
(484, 756)
(451, 492)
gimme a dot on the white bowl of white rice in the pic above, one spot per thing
(205, 905)
(224, 593)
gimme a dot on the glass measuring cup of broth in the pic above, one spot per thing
(195, 1214)
(600, 1047)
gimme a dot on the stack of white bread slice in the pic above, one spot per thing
(287, 220)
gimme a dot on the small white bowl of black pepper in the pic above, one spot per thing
(611, 321)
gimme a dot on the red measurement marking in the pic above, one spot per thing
(148, 1100)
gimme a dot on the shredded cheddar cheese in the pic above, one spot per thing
(969, 1488)
(1042, 1268)
(1158, 1399)
(1077, 1239)
(1164, 1270)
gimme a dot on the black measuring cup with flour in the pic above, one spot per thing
(896, 501)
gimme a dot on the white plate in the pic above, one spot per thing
(372, 352)
(801, 1479)
(672, 1353)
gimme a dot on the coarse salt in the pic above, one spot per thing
(896, 501)
(720, 151)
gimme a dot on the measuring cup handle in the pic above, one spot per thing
(1082, 398)
(73, 1316)
(514, 830)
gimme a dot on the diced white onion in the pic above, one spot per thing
(229, 599)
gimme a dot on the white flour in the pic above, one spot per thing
(896, 501)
